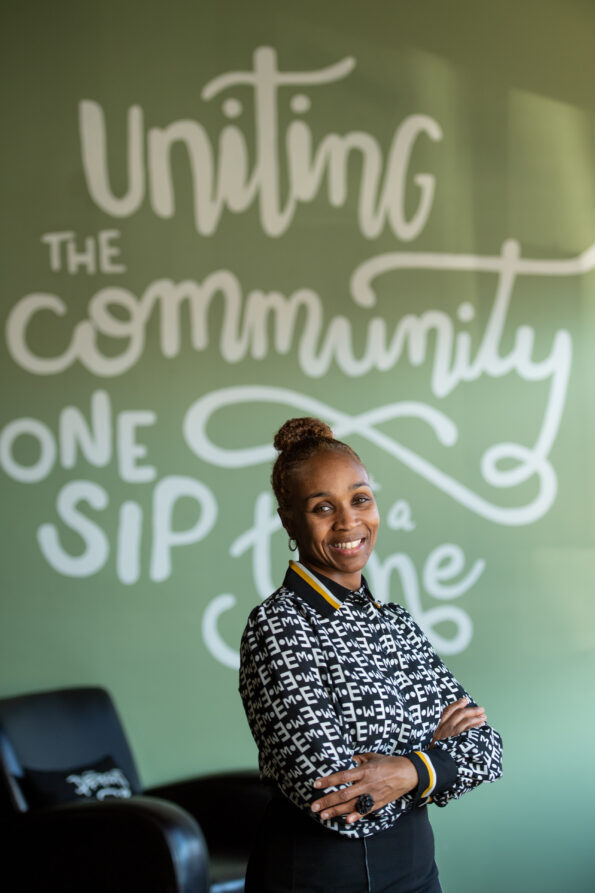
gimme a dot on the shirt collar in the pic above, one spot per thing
(323, 594)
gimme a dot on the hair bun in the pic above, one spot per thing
(296, 431)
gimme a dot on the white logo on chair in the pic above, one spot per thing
(89, 783)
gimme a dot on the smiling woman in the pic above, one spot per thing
(325, 501)
(358, 723)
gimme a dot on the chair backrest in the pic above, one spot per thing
(58, 730)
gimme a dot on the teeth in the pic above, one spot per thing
(348, 546)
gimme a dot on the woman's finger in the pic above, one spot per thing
(343, 801)
(460, 721)
(348, 809)
(469, 722)
(354, 816)
(344, 795)
(366, 784)
(328, 781)
(462, 716)
(328, 808)
(361, 758)
(452, 708)
(346, 776)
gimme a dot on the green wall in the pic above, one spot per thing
(219, 215)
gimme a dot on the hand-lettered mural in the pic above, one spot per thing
(217, 217)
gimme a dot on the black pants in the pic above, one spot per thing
(295, 854)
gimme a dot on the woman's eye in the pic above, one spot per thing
(322, 508)
(361, 498)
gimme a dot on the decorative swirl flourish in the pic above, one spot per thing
(528, 462)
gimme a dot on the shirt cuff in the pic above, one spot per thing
(436, 771)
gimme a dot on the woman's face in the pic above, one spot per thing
(334, 517)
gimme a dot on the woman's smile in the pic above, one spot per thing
(349, 547)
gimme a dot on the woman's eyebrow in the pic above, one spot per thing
(326, 493)
(316, 495)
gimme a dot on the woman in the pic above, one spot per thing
(358, 722)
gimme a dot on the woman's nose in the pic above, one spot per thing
(345, 517)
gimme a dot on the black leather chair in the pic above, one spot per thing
(228, 806)
(151, 842)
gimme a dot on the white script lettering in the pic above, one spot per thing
(166, 495)
(225, 181)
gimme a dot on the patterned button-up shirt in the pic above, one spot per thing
(327, 673)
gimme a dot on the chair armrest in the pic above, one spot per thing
(113, 846)
(228, 805)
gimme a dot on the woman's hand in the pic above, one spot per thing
(385, 778)
(457, 718)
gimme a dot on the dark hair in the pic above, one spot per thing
(296, 441)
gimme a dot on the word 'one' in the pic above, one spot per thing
(79, 501)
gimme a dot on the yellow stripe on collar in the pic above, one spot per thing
(316, 585)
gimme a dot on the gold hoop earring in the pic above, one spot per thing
(294, 547)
